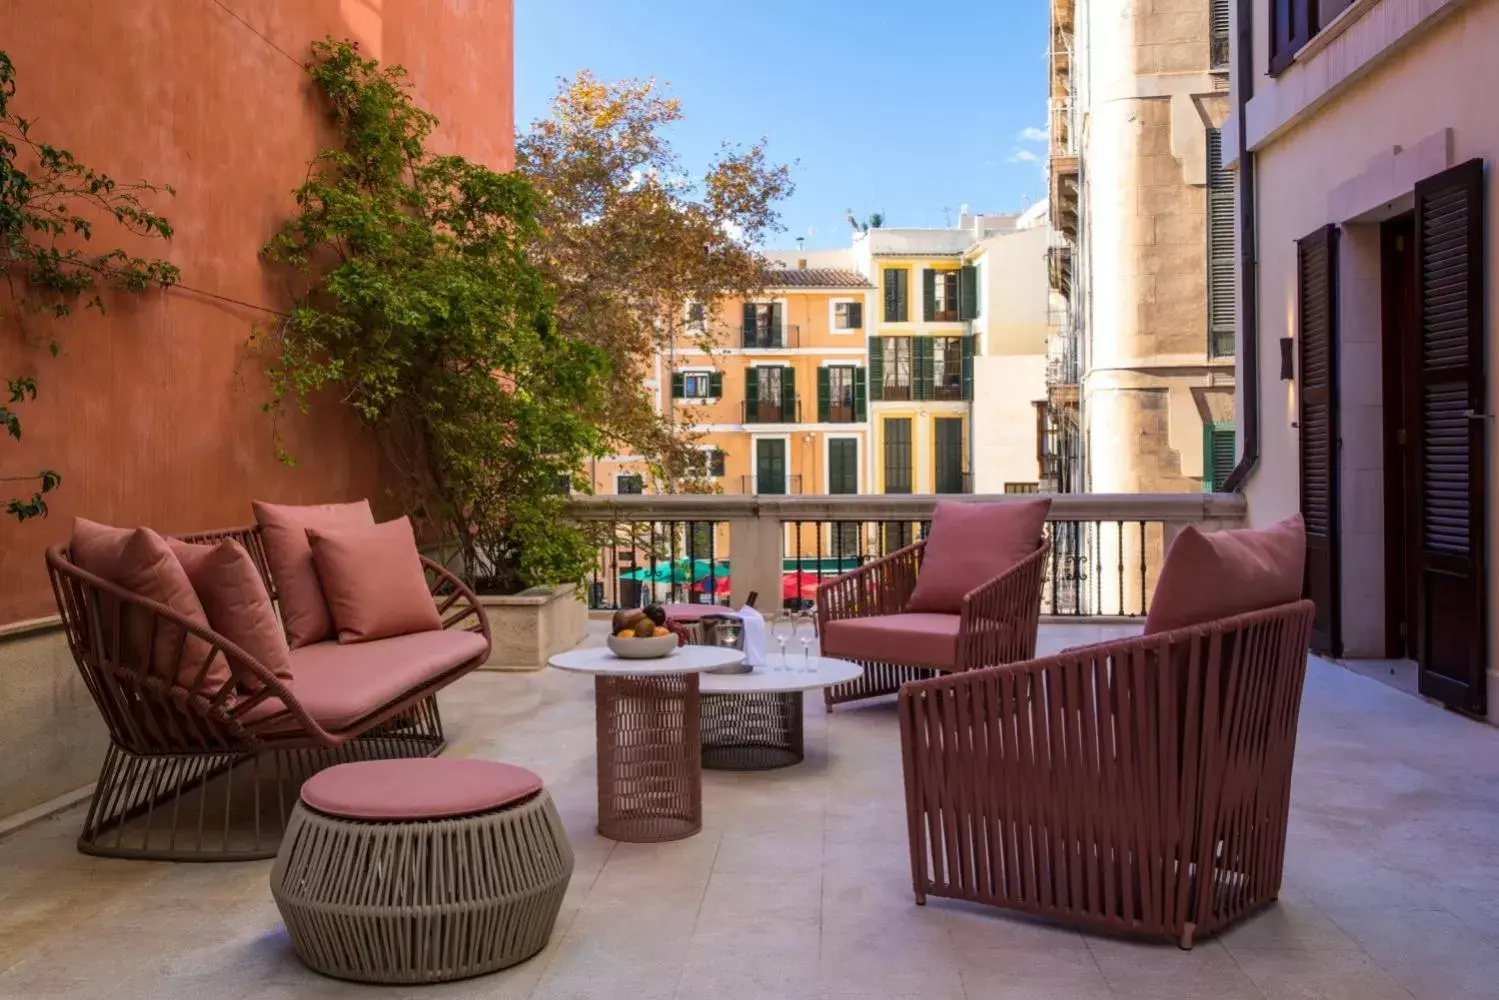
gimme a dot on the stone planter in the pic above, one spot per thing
(533, 625)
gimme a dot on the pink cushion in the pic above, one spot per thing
(237, 604)
(140, 561)
(373, 581)
(284, 531)
(340, 684)
(915, 639)
(420, 788)
(1218, 574)
(970, 544)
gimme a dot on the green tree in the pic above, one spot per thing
(422, 308)
(49, 204)
(630, 241)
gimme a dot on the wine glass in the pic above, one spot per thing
(806, 631)
(784, 631)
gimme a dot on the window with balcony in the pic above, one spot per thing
(840, 394)
(770, 395)
(848, 316)
(941, 296)
(1293, 23)
(895, 367)
(763, 327)
(947, 368)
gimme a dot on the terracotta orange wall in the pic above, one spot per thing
(153, 413)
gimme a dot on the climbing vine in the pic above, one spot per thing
(49, 205)
(419, 307)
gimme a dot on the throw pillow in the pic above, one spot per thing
(373, 580)
(284, 530)
(1210, 575)
(237, 604)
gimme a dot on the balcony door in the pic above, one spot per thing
(843, 479)
(897, 441)
(770, 465)
(948, 440)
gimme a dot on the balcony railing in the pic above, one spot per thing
(1107, 549)
(778, 411)
(770, 338)
(771, 485)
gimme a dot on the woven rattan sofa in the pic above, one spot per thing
(209, 770)
(1140, 786)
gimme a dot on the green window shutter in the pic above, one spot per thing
(903, 282)
(678, 385)
(894, 294)
(876, 368)
(776, 338)
(856, 315)
(751, 395)
(749, 324)
(718, 459)
(968, 292)
(1217, 456)
(968, 367)
(1222, 276)
(861, 396)
(715, 385)
(788, 394)
(923, 361)
(928, 294)
(824, 391)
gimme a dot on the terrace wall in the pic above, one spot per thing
(152, 415)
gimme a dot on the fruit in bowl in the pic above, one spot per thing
(640, 644)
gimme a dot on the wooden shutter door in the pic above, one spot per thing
(922, 360)
(824, 394)
(928, 294)
(876, 368)
(752, 395)
(861, 396)
(1450, 439)
(1317, 335)
(968, 292)
(1222, 267)
(678, 385)
(968, 367)
(748, 329)
(715, 385)
(777, 330)
(788, 394)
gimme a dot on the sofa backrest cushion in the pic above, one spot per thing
(1210, 575)
(237, 604)
(373, 580)
(970, 544)
(283, 528)
(140, 561)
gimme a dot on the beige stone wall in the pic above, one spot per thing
(51, 738)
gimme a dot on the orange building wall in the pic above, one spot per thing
(152, 415)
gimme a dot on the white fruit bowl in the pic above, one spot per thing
(653, 648)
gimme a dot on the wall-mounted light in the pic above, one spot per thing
(1287, 359)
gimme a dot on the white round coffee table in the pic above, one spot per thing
(649, 719)
(753, 721)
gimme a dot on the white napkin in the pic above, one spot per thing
(754, 636)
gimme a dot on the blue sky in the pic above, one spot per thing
(909, 109)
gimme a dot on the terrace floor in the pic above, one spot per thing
(798, 885)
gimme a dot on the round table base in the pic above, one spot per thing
(752, 732)
(650, 760)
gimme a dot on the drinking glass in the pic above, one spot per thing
(806, 631)
(784, 631)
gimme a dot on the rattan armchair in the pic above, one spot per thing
(997, 625)
(1139, 786)
(210, 770)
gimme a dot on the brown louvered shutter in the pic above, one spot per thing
(1450, 438)
(1317, 335)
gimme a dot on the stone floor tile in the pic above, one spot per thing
(1303, 975)
(1161, 971)
(1020, 974)
(1291, 924)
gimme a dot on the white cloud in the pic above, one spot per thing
(1024, 156)
(1032, 134)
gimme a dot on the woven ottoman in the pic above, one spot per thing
(421, 870)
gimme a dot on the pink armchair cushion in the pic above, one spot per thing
(237, 604)
(972, 543)
(1210, 575)
(284, 531)
(420, 788)
(916, 639)
(373, 581)
(340, 684)
(141, 561)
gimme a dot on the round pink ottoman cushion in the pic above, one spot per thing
(417, 788)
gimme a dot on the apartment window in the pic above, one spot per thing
(629, 484)
(840, 394)
(1294, 22)
(896, 368)
(941, 296)
(947, 368)
(896, 292)
(897, 437)
(696, 385)
(707, 463)
(762, 326)
(848, 315)
(696, 317)
(1022, 487)
(770, 395)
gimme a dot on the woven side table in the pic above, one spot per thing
(421, 871)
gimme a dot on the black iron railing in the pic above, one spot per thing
(659, 562)
(758, 337)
